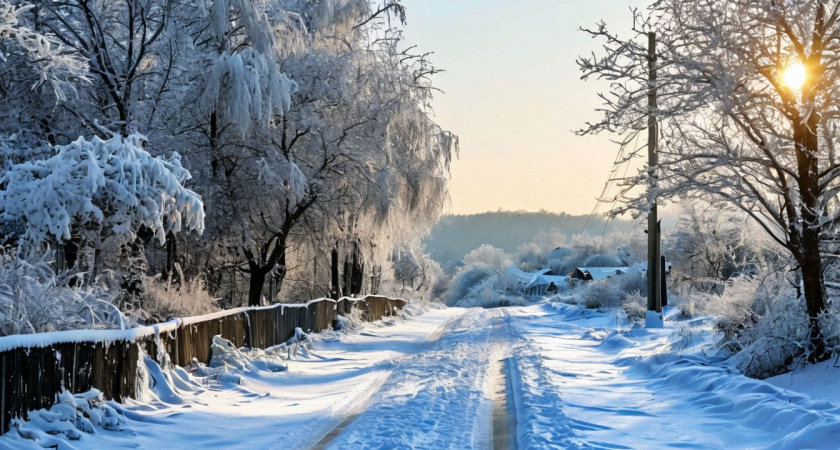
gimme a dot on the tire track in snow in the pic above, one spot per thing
(363, 400)
(504, 409)
(438, 398)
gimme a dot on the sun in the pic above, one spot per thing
(794, 76)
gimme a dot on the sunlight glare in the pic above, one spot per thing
(794, 76)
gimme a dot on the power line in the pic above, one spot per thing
(620, 159)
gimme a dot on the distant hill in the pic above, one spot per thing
(455, 236)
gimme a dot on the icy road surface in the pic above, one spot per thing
(547, 376)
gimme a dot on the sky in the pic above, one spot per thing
(513, 95)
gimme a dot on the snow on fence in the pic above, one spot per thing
(34, 368)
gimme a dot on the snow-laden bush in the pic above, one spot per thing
(70, 416)
(486, 295)
(480, 286)
(830, 326)
(34, 299)
(635, 306)
(776, 341)
(467, 280)
(765, 326)
(103, 190)
(488, 256)
(530, 257)
(620, 291)
(161, 300)
(601, 294)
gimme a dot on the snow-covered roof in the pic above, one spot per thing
(600, 273)
(548, 279)
(536, 278)
(519, 274)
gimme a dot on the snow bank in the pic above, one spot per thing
(72, 417)
(589, 380)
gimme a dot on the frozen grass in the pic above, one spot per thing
(35, 299)
(160, 301)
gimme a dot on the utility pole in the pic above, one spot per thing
(653, 268)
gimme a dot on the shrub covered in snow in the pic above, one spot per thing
(161, 300)
(111, 187)
(830, 326)
(621, 291)
(34, 299)
(481, 286)
(488, 256)
(765, 325)
(71, 416)
(466, 281)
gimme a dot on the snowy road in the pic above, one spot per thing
(440, 397)
(546, 376)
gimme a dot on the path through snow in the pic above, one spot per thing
(440, 398)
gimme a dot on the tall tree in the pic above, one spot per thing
(332, 157)
(735, 124)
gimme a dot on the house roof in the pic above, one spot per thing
(536, 278)
(600, 273)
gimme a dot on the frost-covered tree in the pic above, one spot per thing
(349, 159)
(36, 72)
(100, 193)
(735, 125)
(305, 125)
(713, 244)
(488, 256)
(127, 45)
(32, 59)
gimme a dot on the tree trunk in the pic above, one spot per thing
(256, 286)
(334, 289)
(348, 275)
(358, 277)
(374, 279)
(71, 252)
(280, 275)
(814, 287)
(171, 256)
(357, 273)
(94, 266)
(808, 251)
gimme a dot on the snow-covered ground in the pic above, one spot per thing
(576, 379)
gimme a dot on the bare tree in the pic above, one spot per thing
(735, 124)
(122, 41)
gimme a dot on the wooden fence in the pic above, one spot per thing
(34, 368)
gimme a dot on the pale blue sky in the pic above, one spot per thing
(513, 94)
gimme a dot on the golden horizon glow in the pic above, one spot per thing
(794, 76)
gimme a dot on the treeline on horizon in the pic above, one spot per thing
(456, 235)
